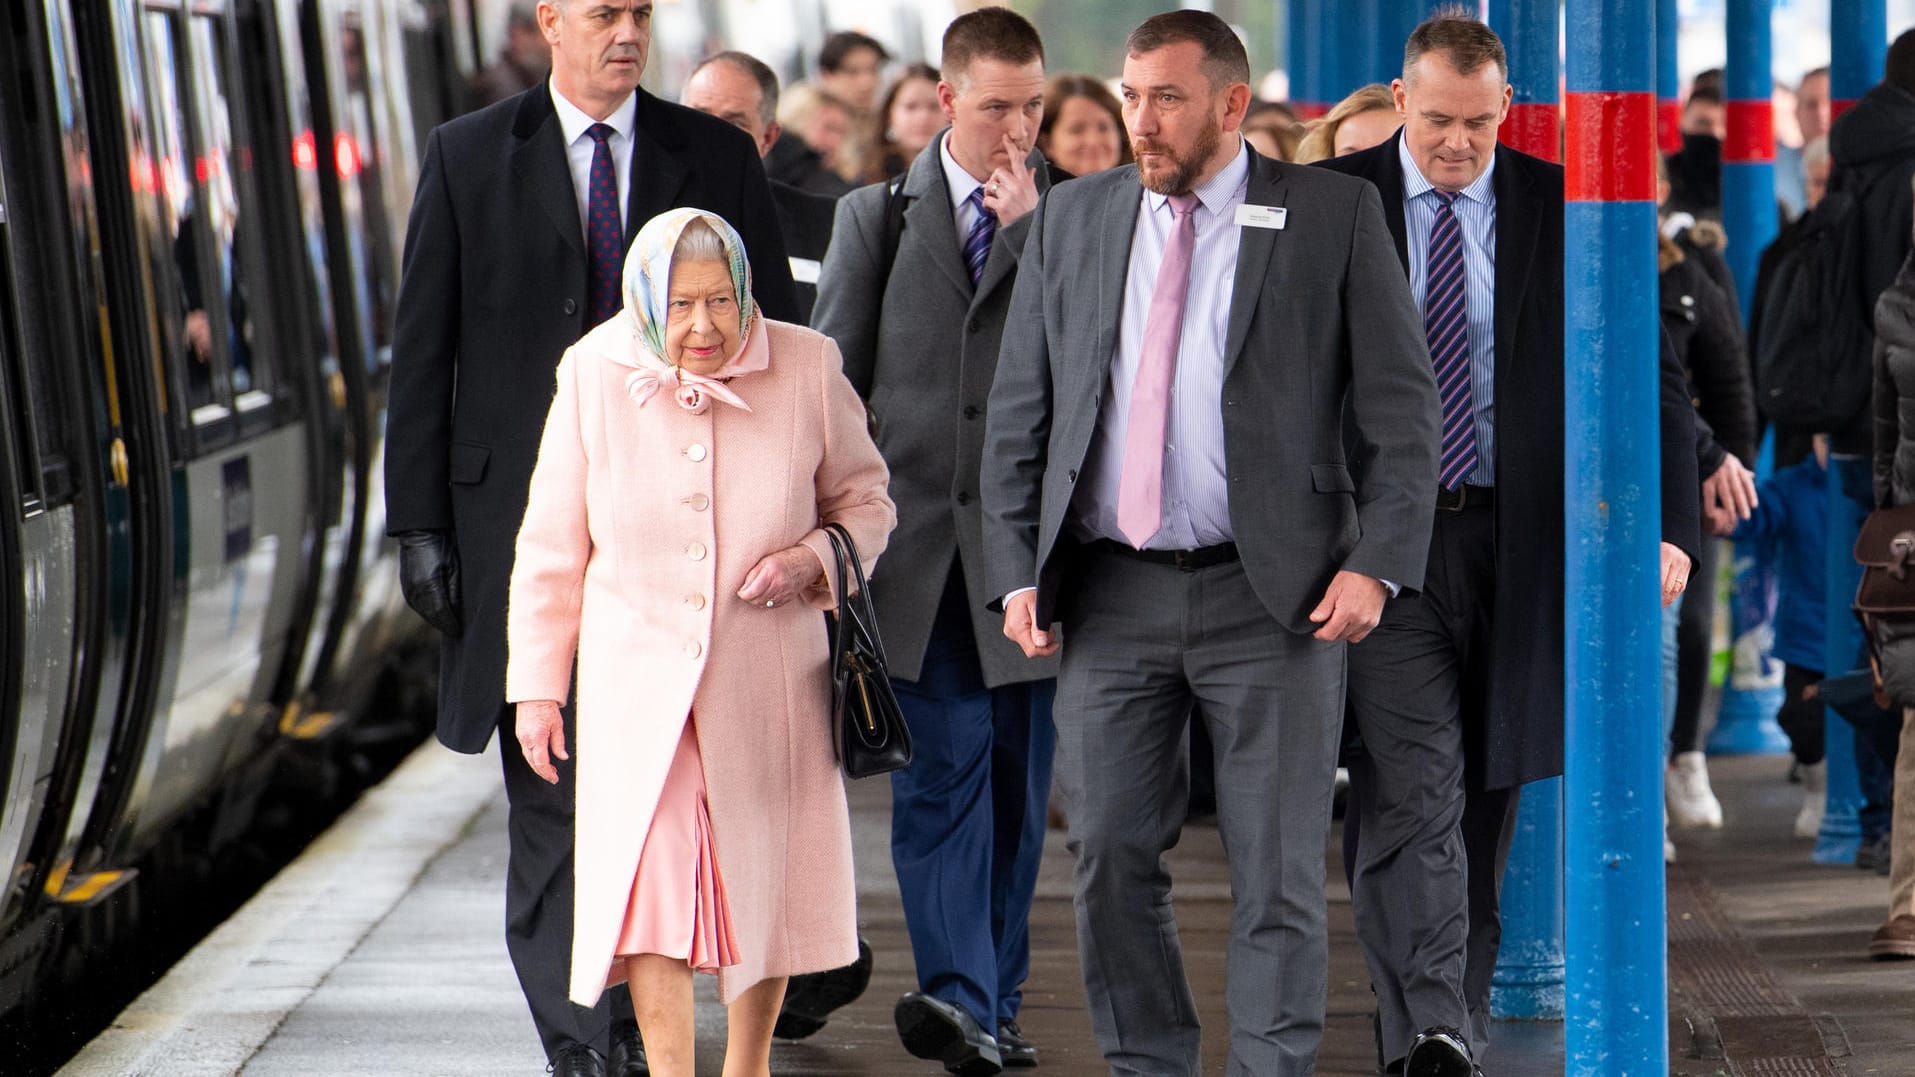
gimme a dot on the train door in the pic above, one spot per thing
(40, 538)
(363, 169)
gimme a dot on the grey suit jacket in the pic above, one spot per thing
(921, 345)
(1320, 316)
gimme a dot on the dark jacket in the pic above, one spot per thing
(793, 162)
(1519, 738)
(1872, 148)
(1695, 176)
(1895, 450)
(1700, 319)
(492, 292)
(805, 220)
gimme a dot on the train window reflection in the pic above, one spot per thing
(360, 153)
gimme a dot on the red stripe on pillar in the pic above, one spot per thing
(1610, 138)
(1534, 129)
(1751, 138)
(1310, 110)
(1669, 125)
(1836, 108)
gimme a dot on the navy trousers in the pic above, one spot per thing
(967, 819)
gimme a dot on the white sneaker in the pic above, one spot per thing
(1686, 793)
(1815, 791)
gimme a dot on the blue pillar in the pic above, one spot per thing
(1333, 34)
(1306, 57)
(1841, 833)
(1746, 721)
(1668, 78)
(1530, 32)
(1748, 153)
(1528, 984)
(1858, 49)
(1616, 991)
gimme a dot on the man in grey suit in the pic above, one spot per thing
(1165, 463)
(915, 289)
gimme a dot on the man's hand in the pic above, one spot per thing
(429, 578)
(540, 730)
(1728, 496)
(1675, 572)
(199, 335)
(1011, 192)
(1351, 607)
(1020, 626)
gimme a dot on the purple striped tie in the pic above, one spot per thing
(604, 236)
(977, 245)
(1446, 323)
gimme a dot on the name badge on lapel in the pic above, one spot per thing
(1249, 216)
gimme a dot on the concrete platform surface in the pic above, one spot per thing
(379, 952)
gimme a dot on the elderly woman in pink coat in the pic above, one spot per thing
(672, 544)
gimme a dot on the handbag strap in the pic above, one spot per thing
(845, 550)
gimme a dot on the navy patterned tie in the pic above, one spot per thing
(977, 245)
(604, 236)
(1446, 323)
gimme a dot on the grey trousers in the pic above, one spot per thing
(1144, 644)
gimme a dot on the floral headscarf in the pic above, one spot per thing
(648, 270)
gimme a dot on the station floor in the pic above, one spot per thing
(379, 952)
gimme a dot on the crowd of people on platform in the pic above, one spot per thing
(1182, 471)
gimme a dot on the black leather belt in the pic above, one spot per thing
(1185, 560)
(1465, 497)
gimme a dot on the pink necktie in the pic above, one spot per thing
(1140, 491)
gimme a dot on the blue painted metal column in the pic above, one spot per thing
(1528, 984)
(1858, 49)
(1617, 984)
(1668, 78)
(1362, 40)
(1333, 33)
(1858, 39)
(1306, 57)
(1748, 152)
(1746, 721)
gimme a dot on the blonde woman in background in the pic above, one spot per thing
(1365, 118)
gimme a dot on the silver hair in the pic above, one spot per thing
(698, 242)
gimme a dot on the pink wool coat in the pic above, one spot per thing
(641, 525)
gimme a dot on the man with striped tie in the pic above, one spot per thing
(1458, 694)
(915, 289)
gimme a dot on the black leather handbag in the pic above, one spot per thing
(871, 735)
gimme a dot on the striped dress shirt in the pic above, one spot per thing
(1476, 215)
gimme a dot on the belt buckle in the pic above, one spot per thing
(1181, 558)
(1452, 500)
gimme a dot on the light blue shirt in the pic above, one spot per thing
(579, 147)
(1476, 215)
(1196, 491)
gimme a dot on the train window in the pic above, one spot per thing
(220, 172)
(32, 396)
(361, 156)
(196, 231)
(16, 392)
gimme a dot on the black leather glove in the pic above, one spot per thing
(429, 577)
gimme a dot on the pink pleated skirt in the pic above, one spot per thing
(677, 906)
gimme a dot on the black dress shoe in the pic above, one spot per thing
(1439, 1052)
(628, 1055)
(1011, 1044)
(933, 1028)
(809, 999)
(577, 1060)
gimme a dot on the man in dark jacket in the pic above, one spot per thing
(1895, 485)
(1873, 149)
(738, 88)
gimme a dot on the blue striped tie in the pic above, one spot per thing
(977, 245)
(1446, 324)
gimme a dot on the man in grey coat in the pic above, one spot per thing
(1193, 342)
(915, 289)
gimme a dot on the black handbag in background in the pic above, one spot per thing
(871, 734)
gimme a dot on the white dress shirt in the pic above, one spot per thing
(961, 183)
(1196, 490)
(1476, 216)
(573, 123)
